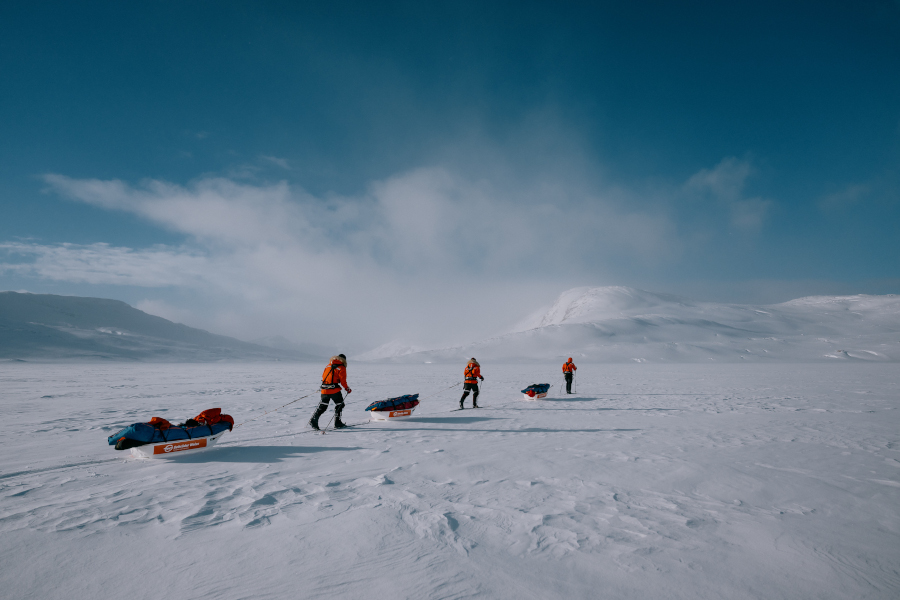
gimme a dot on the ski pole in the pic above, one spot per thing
(324, 429)
(332, 417)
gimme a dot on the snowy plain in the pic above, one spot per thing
(678, 481)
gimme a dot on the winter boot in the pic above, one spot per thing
(474, 402)
(314, 421)
(338, 424)
(461, 403)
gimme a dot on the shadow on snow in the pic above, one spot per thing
(525, 430)
(257, 454)
(459, 420)
(575, 399)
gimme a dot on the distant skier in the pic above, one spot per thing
(569, 369)
(473, 374)
(334, 376)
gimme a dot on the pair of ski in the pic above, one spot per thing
(323, 430)
(346, 426)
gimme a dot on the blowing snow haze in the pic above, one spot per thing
(609, 324)
(618, 324)
(346, 174)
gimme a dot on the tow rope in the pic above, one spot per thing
(442, 391)
(274, 409)
(332, 416)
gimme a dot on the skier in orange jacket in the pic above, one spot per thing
(569, 369)
(334, 376)
(473, 374)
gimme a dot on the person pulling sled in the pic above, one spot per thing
(569, 369)
(473, 374)
(334, 376)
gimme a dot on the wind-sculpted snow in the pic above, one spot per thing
(618, 324)
(651, 481)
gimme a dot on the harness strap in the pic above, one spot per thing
(332, 385)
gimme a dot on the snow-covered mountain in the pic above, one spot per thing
(389, 350)
(620, 324)
(49, 327)
(587, 304)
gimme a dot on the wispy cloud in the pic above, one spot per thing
(420, 222)
(850, 195)
(104, 264)
(725, 184)
(416, 255)
(412, 247)
(278, 162)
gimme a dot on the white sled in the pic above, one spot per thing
(177, 448)
(536, 396)
(391, 415)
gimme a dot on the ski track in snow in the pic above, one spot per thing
(688, 481)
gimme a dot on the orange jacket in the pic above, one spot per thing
(334, 376)
(473, 373)
(569, 367)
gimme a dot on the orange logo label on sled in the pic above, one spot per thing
(179, 446)
(400, 413)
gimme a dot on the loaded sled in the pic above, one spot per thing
(536, 391)
(393, 408)
(158, 438)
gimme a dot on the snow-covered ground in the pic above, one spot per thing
(652, 481)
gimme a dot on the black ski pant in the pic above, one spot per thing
(323, 404)
(568, 377)
(467, 387)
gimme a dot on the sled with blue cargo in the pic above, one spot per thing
(536, 391)
(158, 438)
(391, 409)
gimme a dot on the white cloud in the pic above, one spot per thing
(848, 196)
(421, 222)
(279, 162)
(104, 264)
(418, 255)
(725, 184)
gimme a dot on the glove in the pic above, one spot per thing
(481, 378)
(349, 390)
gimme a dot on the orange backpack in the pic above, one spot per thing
(210, 416)
(159, 423)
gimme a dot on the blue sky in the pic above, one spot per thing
(358, 172)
